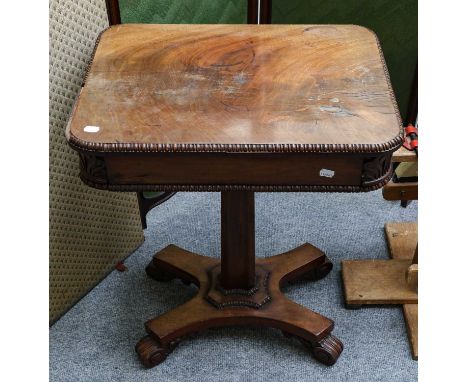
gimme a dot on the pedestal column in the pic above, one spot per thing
(237, 239)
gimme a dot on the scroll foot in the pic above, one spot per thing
(327, 350)
(151, 352)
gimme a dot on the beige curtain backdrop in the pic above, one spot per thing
(90, 230)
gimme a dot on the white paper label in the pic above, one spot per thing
(91, 129)
(327, 173)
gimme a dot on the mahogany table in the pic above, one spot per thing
(237, 109)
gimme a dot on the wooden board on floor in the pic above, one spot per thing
(402, 239)
(411, 318)
(377, 282)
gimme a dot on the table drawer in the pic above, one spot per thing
(234, 169)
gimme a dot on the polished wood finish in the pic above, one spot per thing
(201, 312)
(233, 169)
(238, 88)
(237, 240)
(144, 205)
(229, 172)
(237, 109)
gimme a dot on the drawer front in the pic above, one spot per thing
(234, 169)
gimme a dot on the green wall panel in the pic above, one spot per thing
(184, 11)
(394, 21)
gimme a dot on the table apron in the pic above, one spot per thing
(234, 169)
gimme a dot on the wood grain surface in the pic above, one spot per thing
(214, 307)
(402, 239)
(237, 88)
(368, 282)
(410, 312)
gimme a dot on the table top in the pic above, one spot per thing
(236, 88)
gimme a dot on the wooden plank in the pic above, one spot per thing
(400, 191)
(388, 281)
(403, 155)
(377, 282)
(402, 239)
(410, 312)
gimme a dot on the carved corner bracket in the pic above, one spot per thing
(376, 171)
(93, 170)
